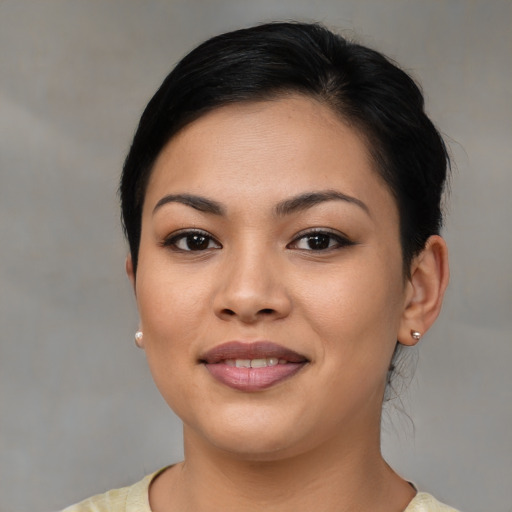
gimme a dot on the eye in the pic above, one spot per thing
(319, 241)
(188, 241)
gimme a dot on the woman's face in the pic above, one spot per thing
(269, 281)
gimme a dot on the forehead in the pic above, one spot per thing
(267, 149)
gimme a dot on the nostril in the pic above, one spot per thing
(226, 312)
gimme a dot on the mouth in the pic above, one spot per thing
(252, 366)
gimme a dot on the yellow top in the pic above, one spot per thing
(136, 499)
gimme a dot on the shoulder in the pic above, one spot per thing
(134, 498)
(424, 502)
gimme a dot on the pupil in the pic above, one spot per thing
(197, 242)
(318, 242)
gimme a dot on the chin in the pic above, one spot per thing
(252, 436)
(257, 448)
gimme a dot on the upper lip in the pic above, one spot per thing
(253, 350)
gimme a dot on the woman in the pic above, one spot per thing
(281, 200)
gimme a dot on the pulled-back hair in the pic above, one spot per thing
(363, 87)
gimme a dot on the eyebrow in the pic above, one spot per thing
(310, 199)
(199, 203)
(287, 207)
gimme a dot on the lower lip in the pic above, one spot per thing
(252, 379)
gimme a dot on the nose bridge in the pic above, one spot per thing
(250, 286)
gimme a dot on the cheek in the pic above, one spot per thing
(355, 307)
(166, 294)
(170, 318)
(355, 314)
(172, 312)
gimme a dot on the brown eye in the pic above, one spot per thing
(320, 241)
(192, 241)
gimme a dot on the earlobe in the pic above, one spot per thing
(139, 339)
(425, 291)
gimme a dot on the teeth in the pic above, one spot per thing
(255, 363)
(258, 363)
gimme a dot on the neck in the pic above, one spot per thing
(339, 476)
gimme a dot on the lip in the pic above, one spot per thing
(252, 379)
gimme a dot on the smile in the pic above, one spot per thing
(255, 363)
(252, 366)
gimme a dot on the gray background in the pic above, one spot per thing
(78, 411)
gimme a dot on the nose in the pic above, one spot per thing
(252, 288)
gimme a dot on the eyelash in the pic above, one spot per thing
(340, 240)
(173, 240)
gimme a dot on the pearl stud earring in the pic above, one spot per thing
(138, 339)
(414, 334)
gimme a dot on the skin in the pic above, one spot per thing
(313, 438)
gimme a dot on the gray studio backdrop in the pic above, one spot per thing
(79, 413)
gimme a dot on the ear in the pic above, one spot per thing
(139, 336)
(129, 270)
(424, 290)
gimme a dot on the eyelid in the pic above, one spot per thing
(170, 240)
(342, 239)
